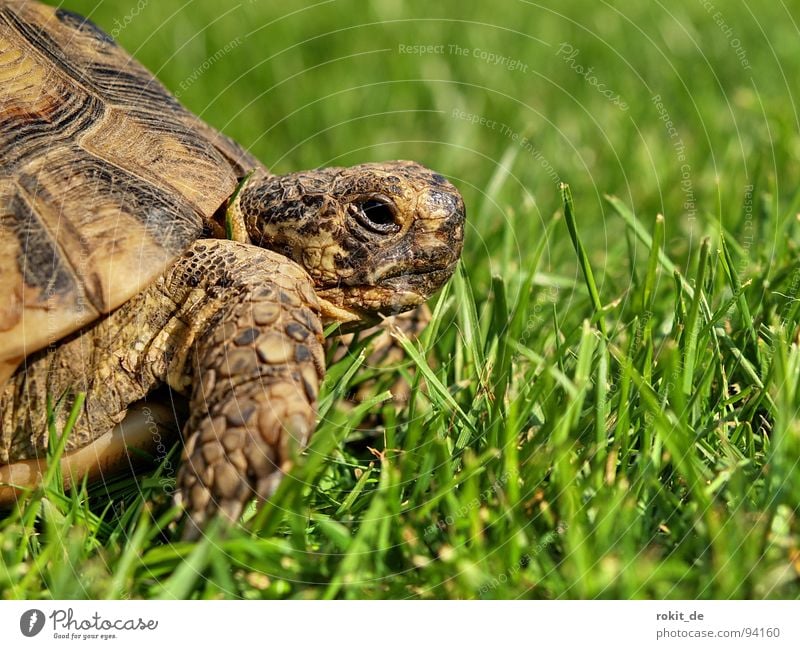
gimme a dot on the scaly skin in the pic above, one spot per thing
(237, 327)
(234, 327)
(376, 238)
(106, 185)
(256, 370)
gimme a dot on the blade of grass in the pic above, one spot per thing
(583, 258)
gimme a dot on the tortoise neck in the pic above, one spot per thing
(277, 212)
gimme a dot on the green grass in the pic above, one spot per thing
(611, 396)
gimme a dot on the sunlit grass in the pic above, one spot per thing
(610, 379)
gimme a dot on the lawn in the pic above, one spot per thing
(612, 378)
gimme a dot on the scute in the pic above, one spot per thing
(104, 177)
(83, 24)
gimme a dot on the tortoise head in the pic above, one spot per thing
(377, 238)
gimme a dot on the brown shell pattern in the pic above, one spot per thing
(104, 177)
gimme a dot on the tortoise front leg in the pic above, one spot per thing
(256, 363)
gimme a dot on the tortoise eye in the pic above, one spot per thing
(377, 216)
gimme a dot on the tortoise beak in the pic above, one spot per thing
(332, 313)
(428, 256)
(358, 306)
(421, 283)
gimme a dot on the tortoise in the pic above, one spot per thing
(144, 254)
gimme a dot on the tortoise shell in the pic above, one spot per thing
(105, 179)
(106, 183)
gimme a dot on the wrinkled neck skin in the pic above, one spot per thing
(290, 214)
(376, 240)
(294, 215)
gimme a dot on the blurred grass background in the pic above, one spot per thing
(549, 460)
(313, 84)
